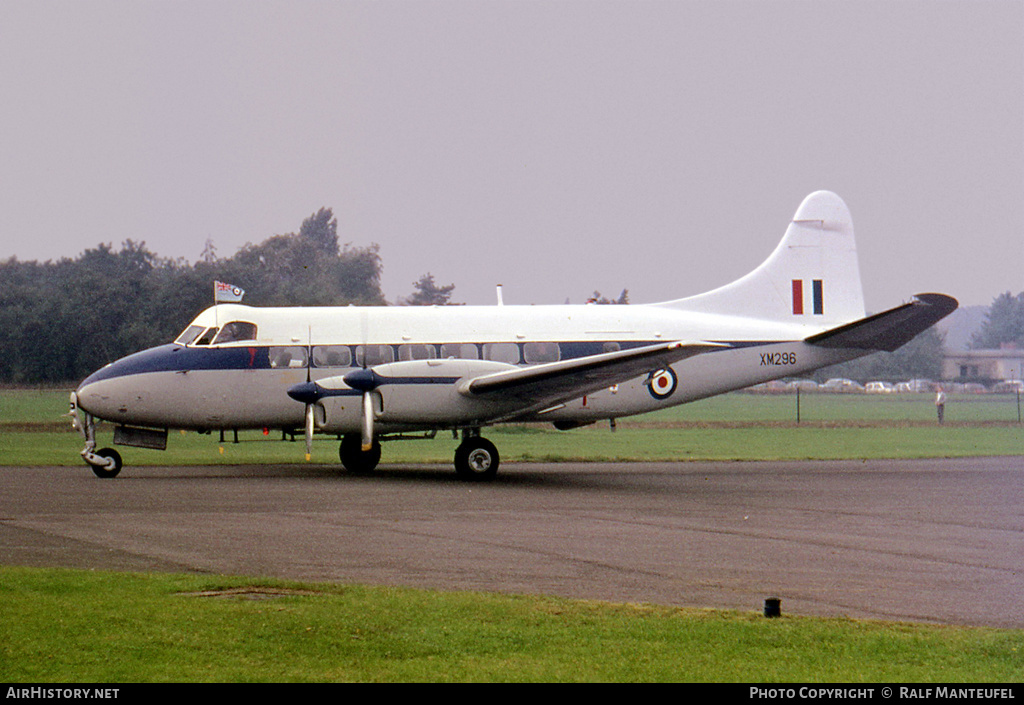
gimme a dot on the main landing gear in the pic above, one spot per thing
(354, 458)
(476, 458)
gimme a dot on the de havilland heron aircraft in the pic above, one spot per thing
(367, 374)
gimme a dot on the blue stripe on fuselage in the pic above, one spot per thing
(177, 358)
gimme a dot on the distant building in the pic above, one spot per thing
(984, 365)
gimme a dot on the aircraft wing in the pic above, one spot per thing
(890, 329)
(541, 386)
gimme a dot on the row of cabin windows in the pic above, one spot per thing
(369, 355)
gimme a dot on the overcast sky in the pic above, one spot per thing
(557, 148)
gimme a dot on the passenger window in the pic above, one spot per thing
(236, 330)
(460, 351)
(536, 353)
(332, 356)
(288, 358)
(502, 352)
(416, 352)
(206, 337)
(188, 335)
(370, 355)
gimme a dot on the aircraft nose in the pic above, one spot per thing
(108, 389)
(96, 398)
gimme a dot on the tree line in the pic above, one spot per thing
(61, 320)
(1003, 325)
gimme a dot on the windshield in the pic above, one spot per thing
(189, 334)
(206, 337)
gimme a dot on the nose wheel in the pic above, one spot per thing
(476, 459)
(112, 463)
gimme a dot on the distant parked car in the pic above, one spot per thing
(975, 388)
(775, 386)
(879, 388)
(839, 384)
(916, 385)
(803, 385)
(1009, 386)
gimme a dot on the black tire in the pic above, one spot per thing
(102, 470)
(476, 459)
(354, 458)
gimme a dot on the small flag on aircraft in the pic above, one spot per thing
(226, 292)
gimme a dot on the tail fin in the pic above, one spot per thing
(812, 276)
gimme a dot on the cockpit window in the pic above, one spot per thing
(206, 337)
(236, 330)
(189, 334)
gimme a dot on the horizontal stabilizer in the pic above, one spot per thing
(890, 329)
(555, 382)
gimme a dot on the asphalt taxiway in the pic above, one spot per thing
(926, 540)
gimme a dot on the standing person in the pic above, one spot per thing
(940, 404)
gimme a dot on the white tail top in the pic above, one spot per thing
(812, 276)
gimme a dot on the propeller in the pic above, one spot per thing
(366, 381)
(309, 432)
(308, 393)
(309, 403)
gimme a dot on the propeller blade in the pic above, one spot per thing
(309, 431)
(309, 406)
(367, 421)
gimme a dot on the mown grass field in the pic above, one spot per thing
(94, 627)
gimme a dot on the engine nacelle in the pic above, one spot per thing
(416, 393)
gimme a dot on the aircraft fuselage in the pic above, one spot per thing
(422, 354)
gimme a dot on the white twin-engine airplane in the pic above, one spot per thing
(370, 373)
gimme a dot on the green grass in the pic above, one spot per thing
(84, 626)
(33, 431)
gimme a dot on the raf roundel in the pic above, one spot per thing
(662, 383)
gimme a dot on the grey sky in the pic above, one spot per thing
(555, 147)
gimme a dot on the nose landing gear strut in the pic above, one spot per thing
(105, 462)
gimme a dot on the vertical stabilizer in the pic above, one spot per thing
(812, 277)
